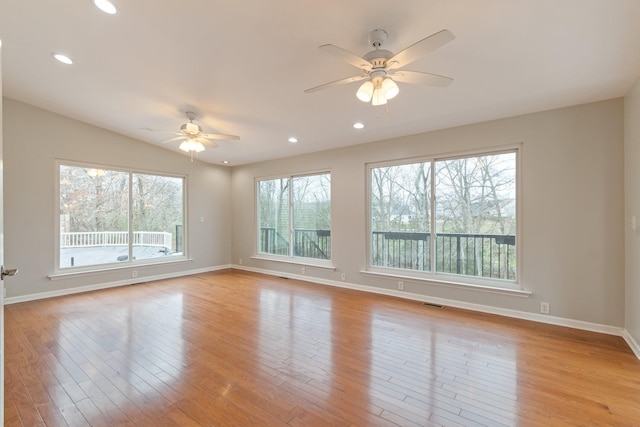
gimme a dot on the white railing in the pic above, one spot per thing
(115, 238)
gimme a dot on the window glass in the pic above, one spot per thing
(469, 228)
(476, 216)
(94, 216)
(273, 216)
(157, 216)
(311, 208)
(294, 216)
(94, 220)
(400, 216)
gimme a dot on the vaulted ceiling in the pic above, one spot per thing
(244, 65)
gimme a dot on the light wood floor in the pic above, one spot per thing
(240, 349)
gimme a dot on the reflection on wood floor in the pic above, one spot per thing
(233, 348)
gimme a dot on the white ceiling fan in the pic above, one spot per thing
(381, 69)
(193, 140)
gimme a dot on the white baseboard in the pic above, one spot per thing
(132, 281)
(541, 318)
(635, 347)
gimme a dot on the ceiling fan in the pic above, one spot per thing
(193, 140)
(381, 69)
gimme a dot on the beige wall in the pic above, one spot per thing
(572, 193)
(632, 207)
(35, 138)
(572, 189)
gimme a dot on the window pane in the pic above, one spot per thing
(157, 216)
(311, 199)
(400, 209)
(273, 216)
(476, 216)
(93, 216)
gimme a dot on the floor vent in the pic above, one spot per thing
(432, 305)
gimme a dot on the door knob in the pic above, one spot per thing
(10, 272)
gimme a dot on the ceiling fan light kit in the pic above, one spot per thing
(378, 67)
(365, 93)
(106, 6)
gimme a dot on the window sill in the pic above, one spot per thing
(297, 261)
(95, 271)
(451, 283)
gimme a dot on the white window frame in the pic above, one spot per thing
(441, 278)
(119, 265)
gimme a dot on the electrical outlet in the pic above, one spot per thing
(240, 261)
(304, 270)
(343, 276)
(544, 307)
(400, 285)
(134, 273)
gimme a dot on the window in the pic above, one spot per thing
(114, 216)
(294, 216)
(446, 216)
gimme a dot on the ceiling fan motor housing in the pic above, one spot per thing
(191, 129)
(378, 58)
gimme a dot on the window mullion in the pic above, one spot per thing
(432, 225)
(130, 216)
(291, 233)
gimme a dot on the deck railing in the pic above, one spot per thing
(115, 238)
(480, 255)
(306, 243)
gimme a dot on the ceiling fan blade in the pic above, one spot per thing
(163, 131)
(420, 78)
(420, 49)
(346, 56)
(207, 142)
(177, 138)
(219, 136)
(336, 83)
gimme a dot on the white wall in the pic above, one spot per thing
(35, 138)
(632, 207)
(573, 209)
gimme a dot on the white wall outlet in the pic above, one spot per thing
(304, 270)
(400, 285)
(201, 219)
(240, 261)
(544, 307)
(134, 273)
(343, 276)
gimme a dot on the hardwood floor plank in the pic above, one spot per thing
(233, 348)
(24, 406)
(72, 415)
(51, 415)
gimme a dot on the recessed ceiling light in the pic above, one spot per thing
(293, 140)
(358, 125)
(106, 6)
(63, 58)
(225, 162)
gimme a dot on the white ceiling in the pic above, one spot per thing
(245, 64)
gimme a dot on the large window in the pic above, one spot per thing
(446, 216)
(294, 216)
(115, 216)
